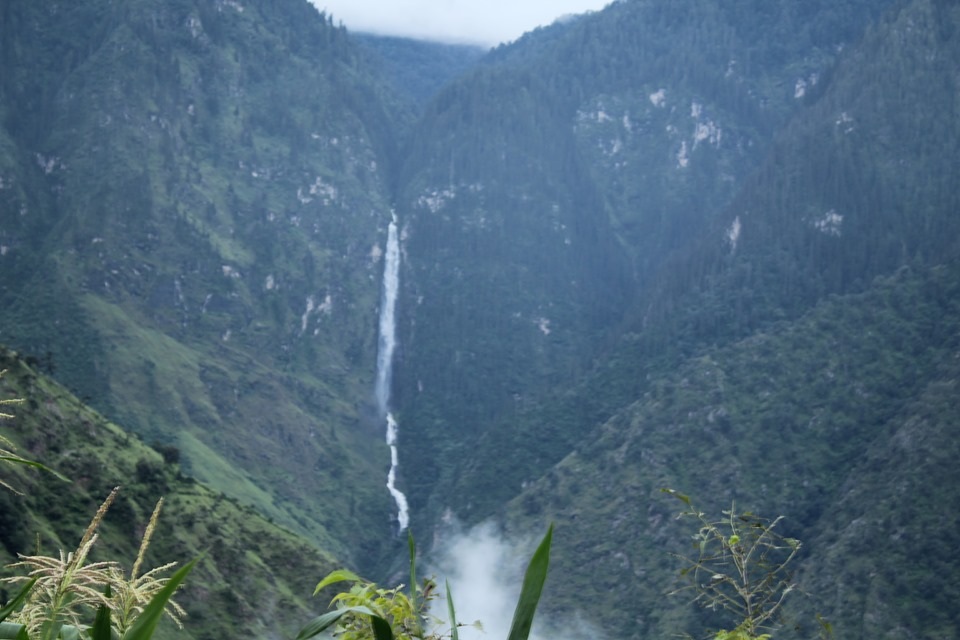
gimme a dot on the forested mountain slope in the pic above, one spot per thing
(833, 205)
(551, 193)
(825, 214)
(844, 421)
(418, 69)
(193, 203)
(732, 389)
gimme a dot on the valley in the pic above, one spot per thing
(709, 246)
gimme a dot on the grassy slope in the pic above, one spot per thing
(255, 578)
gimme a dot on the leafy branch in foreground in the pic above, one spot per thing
(739, 565)
(370, 612)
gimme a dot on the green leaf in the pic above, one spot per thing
(413, 558)
(533, 581)
(452, 613)
(69, 632)
(32, 463)
(13, 631)
(381, 628)
(679, 496)
(322, 623)
(51, 628)
(826, 629)
(334, 577)
(14, 604)
(147, 621)
(413, 581)
(101, 624)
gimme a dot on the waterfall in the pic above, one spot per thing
(403, 512)
(387, 343)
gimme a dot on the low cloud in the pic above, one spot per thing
(488, 23)
(485, 571)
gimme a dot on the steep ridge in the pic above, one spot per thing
(834, 417)
(543, 194)
(195, 197)
(834, 205)
(882, 557)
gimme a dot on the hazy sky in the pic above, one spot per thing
(487, 22)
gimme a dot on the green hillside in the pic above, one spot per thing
(254, 579)
(194, 197)
(706, 245)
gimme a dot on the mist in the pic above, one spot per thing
(485, 570)
(462, 21)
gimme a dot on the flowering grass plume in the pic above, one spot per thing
(131, 595)
(68, 590)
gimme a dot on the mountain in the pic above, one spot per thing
(813, 344)
(194, 206)
(821, 170)
(705, 245)
(549, 194)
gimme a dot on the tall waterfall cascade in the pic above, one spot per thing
(386, 345)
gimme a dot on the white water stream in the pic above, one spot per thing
(386, 345)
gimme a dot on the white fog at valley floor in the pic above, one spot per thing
(485, 571)
(486, 23)
(386, 344)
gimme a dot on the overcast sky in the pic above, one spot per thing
(486, 22)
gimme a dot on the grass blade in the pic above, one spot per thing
(14, 604)
(413, 569)
(31, 463)
(147, 621)
(13, 631)
(679, 496)
(381, 628)
(322, 623)
(533, 581)
(413, 582)
(452, 613)
(101, 624)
